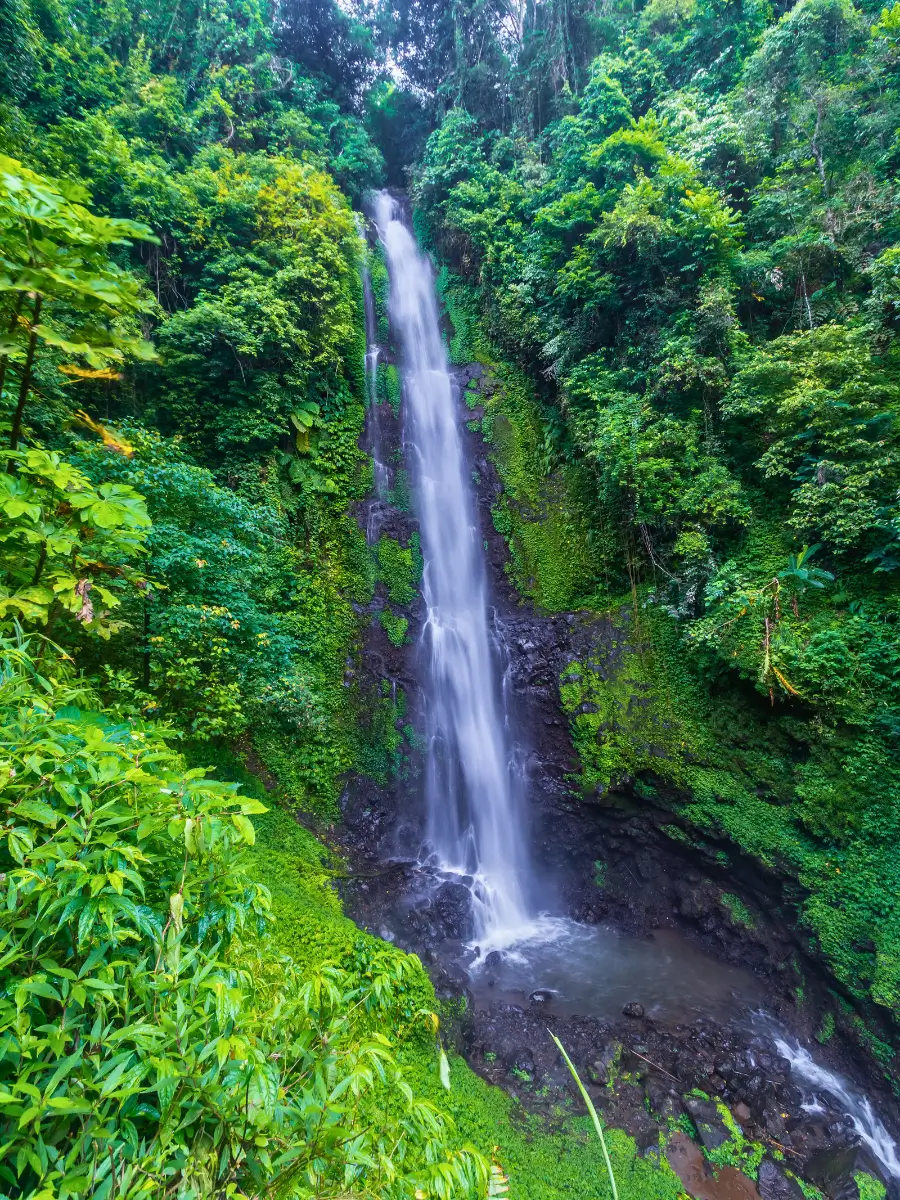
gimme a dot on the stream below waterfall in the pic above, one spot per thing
(454, 870)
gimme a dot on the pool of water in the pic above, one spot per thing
(595, 971)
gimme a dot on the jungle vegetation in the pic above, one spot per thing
(670, 232)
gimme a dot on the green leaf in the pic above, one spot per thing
(444, 1068)
(245, 827)
(176, 908)
(38, 810)
(64, 1104)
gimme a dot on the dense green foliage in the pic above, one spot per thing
(669, 234)
(179, 562)
(239, 427)
(675, 249)
(151, 1039)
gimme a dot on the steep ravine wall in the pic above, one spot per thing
(623, 854)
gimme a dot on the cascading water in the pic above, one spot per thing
(817, 1080)
(380, 469)
(475, 782)
(474, 793)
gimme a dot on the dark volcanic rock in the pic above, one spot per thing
(834, 1171)
(633, 1009)
(453, 909)
(711, 1128)
(773, 1184)
(603, 1067)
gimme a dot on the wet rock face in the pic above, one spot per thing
(453, 908)
(711, 1128)
(773, 1184)
(835, 1171)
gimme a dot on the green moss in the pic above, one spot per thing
(738, 912)
(399, 495)
(298, 870)
(388, 387)
(395, 626)
(809, 1191)
(869, 1188)
(399, 568)
(382, 734)
(737, 1151)
(826, 1029)
(876, 1046)
(378, 275)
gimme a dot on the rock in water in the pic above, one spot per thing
(453, 907)
(633, 1009)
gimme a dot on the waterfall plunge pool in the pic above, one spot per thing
(595, 970)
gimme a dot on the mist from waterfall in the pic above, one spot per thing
(474, 791)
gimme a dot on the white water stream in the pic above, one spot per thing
(381, 473)
(474, 791)
(816, 1080)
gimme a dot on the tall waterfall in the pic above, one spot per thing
(474, 792)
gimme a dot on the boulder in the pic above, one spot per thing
(661, 1097)
(834, 1171)
(633, 1009)
(773, 1184)
(712, 1130)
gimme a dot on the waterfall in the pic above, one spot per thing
(819, 1079)
(474, 793)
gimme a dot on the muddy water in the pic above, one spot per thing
(595, 970)
(687, 1161)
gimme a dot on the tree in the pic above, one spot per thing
(60, 290)
(66, 543)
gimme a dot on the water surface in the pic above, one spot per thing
(595, 971)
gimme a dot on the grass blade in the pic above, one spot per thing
(592, 1111)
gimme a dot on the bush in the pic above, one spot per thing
(149, 1039)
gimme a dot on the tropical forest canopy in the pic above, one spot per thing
(671, 232)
